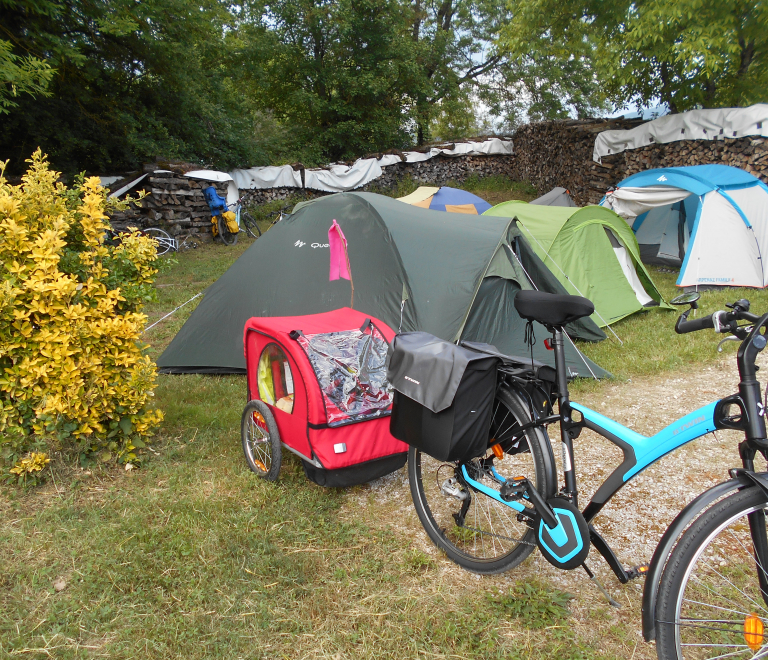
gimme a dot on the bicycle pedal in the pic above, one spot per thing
(637, 571)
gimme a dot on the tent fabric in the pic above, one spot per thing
(577, 246)
(451, 200)
(714, 124)
(709, 220)
(555, 197)
(630, 202)
(421, 194)
(415, 269)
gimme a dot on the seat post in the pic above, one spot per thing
(564, 408)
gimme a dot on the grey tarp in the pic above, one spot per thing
(413, 268)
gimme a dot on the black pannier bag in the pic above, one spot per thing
(443, 398)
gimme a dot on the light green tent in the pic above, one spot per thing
(592, 251)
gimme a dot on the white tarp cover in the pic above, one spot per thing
(694, 125)
(267, 177)
(631, 202)
(340, 178)
(209, 175)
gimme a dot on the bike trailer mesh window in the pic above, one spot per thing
(275, 379)
(350, 369)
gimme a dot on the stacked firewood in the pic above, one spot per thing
(173, 202)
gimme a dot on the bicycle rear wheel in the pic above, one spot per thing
(227, 236)
(250, 224)
(491, 538)
(164, 241)
(710, 602)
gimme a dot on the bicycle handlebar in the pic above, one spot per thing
(720, 321)
(684, 326)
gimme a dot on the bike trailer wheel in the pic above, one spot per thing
(261, 440)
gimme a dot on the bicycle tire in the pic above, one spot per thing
(710, 585)
(227, 237)
(164, 241)
(250, 224)
(492, 540)
(261, 440)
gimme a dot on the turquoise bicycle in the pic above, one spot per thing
(706, 588)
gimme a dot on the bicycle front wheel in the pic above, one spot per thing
(710, 602)
(490, 538)
(227, 236)
(250, 224)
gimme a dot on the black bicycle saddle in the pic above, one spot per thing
(552, 309)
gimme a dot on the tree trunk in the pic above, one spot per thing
(666, 92)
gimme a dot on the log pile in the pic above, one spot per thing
(747, 153)
(559, 153)
(442, 170)
(174, 203)
(547, 154)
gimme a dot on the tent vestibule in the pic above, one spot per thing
(592, 252)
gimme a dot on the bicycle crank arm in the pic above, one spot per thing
(517, 506)
(520, 487)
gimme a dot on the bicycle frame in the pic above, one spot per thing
(638, 451)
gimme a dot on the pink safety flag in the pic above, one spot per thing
(339, 257)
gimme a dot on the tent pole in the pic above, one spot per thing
(567, 278)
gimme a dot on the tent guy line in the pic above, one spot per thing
(172, 312)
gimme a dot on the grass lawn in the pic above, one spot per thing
(192, 556)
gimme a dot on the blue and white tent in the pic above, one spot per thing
(711, 220)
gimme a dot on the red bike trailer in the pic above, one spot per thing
(317, 387)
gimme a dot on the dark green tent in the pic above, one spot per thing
(448, 274)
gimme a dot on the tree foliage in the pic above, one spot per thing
(20, 75)
(686, 53)
(134, 80)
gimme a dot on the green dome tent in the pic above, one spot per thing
(593, 253)
(448, 274)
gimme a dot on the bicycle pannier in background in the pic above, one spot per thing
(443, 396)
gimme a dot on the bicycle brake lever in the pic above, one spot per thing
(720, 345)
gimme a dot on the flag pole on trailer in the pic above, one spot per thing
(340, 267)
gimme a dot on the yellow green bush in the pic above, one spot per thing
(74, 375)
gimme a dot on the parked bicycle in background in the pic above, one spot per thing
(226, 223)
